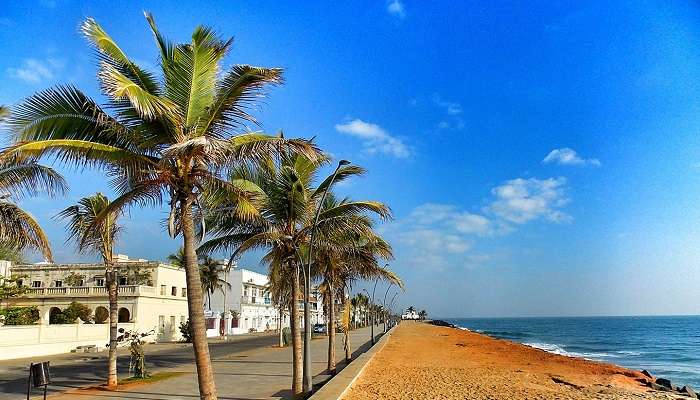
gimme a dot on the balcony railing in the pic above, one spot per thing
(87, 291)
(255, 300)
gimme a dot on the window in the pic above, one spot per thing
(182, 319)
(81, 283)
(172, 323)
(184, 292)
(20, 283)
(173, 292)
(36, 284)
(99, 281)
(161, 324)
(58, 284)
(245, 291)
(122, 280)
(162, 290)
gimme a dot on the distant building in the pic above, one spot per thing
(410, 315)
(246, 306)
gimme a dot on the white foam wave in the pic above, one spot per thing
(558, 349)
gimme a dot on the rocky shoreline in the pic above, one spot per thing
(655, 383)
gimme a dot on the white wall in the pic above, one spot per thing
(42, 340)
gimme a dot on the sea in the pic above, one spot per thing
(667, 347)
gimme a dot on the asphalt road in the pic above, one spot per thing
(75, 370)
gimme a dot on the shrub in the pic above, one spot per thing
(74, 311)
(186, 331)
(20, 315)
(101, 315)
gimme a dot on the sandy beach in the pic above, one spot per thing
(422, 361)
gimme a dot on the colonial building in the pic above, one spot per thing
(152, 295)
(246, 306)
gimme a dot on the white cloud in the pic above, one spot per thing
(374, 138)
(451, 108)
(568, 156)
(522, 200)
(36, 71)
(396, 8)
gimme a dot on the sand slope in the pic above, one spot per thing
(422, 361)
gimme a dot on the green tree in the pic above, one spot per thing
(20, 315)
(74, 279)
(92, 237)
(20, 177)
(71, 313)
(210, 273)
(286, 200)
(165, 141)
(11, 286)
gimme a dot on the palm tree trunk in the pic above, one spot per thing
(297, 360)
(331, 330)
(281, 323)
(348, 356)
(205, 374)
(110, 276)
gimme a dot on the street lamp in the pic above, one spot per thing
(391, 303)
(308, 384)
(384, 302)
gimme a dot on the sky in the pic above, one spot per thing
(541, 158)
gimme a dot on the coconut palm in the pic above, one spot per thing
(343, 257)
(423, 314)
(177, 259)
(210, 274)
(20, 178)
(164, 140)
(287, 200)
(92, 238)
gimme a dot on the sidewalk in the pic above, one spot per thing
(244, 369)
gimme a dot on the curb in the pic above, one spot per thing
(339, 385)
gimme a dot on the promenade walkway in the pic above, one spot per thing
(247, 367)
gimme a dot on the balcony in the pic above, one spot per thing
(256, 300)
(87, 291)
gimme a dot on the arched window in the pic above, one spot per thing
(54, 312)
(124, 315)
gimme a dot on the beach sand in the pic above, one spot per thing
(422, 361)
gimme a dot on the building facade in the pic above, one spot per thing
(152, 295)
(246, 306)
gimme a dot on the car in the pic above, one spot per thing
(320, 328)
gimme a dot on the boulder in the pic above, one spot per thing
(647, 374)
(658, 387)
(664, 382)
(688, 391)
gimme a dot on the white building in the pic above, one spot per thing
(152, 296)
(410, 314)
(246, 306)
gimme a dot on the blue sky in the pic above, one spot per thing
(541, 158)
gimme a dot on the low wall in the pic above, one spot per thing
(42, 340)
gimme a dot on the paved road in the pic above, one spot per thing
(246, 367)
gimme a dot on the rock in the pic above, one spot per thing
(647, 374)
(688, 391)
(665, 383)
(658, 387)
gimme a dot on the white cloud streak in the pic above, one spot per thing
(396, 8)
(522, 200)
(35, 71)
(568, 156)
(374, 138)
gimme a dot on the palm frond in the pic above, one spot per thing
(28, 178)
(19, 230)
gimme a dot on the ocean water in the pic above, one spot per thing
(668, 347)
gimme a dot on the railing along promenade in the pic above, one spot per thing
(88, 291)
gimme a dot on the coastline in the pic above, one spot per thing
(430, 361)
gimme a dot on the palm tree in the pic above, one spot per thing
(342, 257)
(210, 273)
(21, 178)
(98, 239)
(177, 259)
(163, 141)
(286, 201)
(423, 314)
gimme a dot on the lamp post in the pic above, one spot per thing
(384, 302)
(391, 304)
(308, 384)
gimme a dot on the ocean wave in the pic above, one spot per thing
(559, 349)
